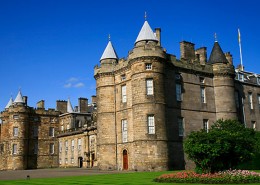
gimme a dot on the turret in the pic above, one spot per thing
(223, 82)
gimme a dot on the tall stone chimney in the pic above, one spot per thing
(61, 105)
(187, 50)
(40, 104)
(83, 105)
(202, 52)
(158, 35)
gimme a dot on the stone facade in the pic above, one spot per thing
(32, 138)
(148, 102)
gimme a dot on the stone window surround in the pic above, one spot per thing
(150, 124)
(149, 86)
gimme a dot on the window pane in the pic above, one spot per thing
(178, 92)
(149, 86)
(124, 93)
(202, 94)
(151, 127)
(124, 130)
(180, 124)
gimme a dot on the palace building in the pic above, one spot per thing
(145, 106)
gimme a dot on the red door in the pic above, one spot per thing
(125, 160)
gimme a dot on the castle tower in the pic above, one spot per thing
(106, 125)
(223, 82)
(15, 133)
(148, 149)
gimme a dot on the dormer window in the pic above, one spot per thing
(148, 66)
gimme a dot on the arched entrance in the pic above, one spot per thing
(125, 160)
(80, 162)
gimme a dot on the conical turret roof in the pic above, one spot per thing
(217, 55)
(146, 33)
(69, 107)
(19, 98)
(9, 103)
(109, 52)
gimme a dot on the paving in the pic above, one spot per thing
(50, 173)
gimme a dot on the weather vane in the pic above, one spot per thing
(145, 16)
(109, 38)
(215, 36)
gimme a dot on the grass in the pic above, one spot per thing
(136, 178)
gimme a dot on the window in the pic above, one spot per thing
(66, 145)
(72, 145)
(60, 161)
(72, 160)
(181, 126)
(14, 148)
(35, 149)
(237, 99)
(151, 126)
(148, 66)
(206, 125)
(66, 160)
(124, 130)
(202, 80)
(253, 125)
(258, 80)
(123, 77)
(250, 100)
(123, 88)
(60, 146)
(79, 144)
(62, 127)
(240, 77)
(15, 116)
(15, 131)
(149, 86)
(68, 126)
(202, 95)
(35, 131)
(258, 97)
(51, 131)
(52, 148)
(178, 92)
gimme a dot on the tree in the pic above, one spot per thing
(226, 144)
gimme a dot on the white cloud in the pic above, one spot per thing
(73, 79)
(68, 85)
(80, 84)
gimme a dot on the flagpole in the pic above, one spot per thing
(240, 49)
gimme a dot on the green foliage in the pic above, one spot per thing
(227, 144)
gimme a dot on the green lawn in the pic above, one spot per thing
(136, 178)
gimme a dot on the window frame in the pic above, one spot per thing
(180, 126)
(148, 66)
(178, 92)
(250, 100)
(51, 131)
(52, 148)
(124, 130)
(149, 87)
(203, 94)
(79, 144)
(206, 125)
(151, 124)
(123, 93)
(15, 131)
(15, 149)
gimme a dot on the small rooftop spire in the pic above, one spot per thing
(146, 33)
(145, 16)
(69, 106)
(19, 97)
(109, 52)
(109, 38)
(9, 103)
(215, 36)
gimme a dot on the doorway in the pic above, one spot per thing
(80, 162)
(125, 160)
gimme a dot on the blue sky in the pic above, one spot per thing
(49, 48)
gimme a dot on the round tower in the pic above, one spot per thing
(16, 122)
(223, 82)
(149, 147)
(106, 125)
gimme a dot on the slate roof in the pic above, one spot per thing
(69, 107)
(9, 103)
(146, 33)
(19, 98)
(109, 52)
(217, 55)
